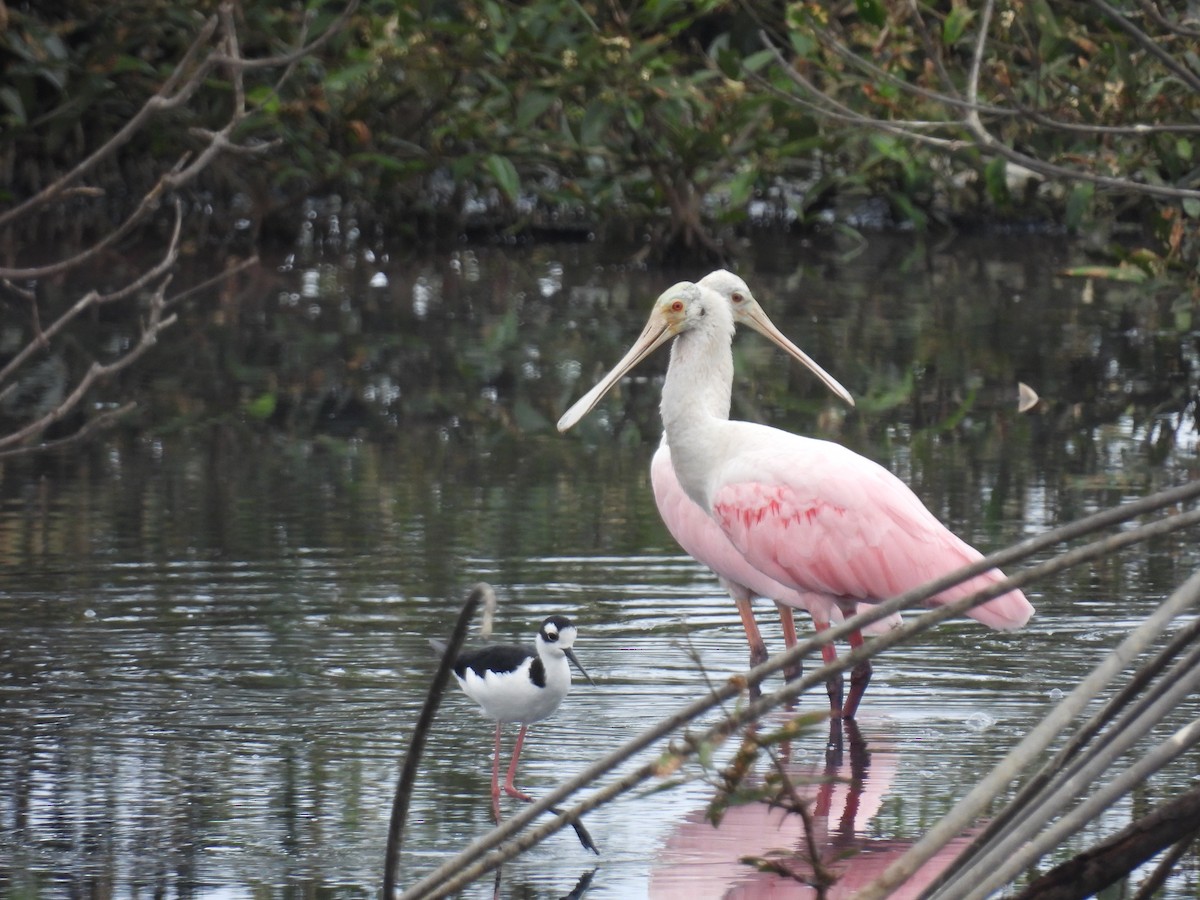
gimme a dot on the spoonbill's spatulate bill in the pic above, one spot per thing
(703, 539)
(519, 684)
(807, 513)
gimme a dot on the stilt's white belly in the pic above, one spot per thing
(512, 697)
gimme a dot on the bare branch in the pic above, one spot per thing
(148, 204)
(476, 859)
(167, 97)
(215, 46)
(207, 283)
(176, 90)
(1143, 40)
(271, 62)
(828, 107)
(93, 426)
(17, 442)
(1012, 111)
(820, 103)
(96, 373)
(1151, 9)
(94, 298)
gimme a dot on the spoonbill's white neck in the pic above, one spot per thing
(696, 393)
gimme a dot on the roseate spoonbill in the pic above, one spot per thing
(808, 513)
(518, 684)
(703, 539)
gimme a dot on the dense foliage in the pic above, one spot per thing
(215, 129)
(663, 119)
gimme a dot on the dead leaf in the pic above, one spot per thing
(1027, 397)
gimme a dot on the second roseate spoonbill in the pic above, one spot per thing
(518, 684)
(704, 540)
(808, 513)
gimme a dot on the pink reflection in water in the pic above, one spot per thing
(700, 862)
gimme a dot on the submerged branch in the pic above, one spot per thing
(481, 593)
(486, 853)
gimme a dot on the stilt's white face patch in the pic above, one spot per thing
(557, 632)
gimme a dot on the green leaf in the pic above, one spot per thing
(595, 120)
(1191, 206)
(803, 44)
(386, 162)
(903, 204)
(956, 23)
(1124, 272)
(261, 407)
(1183, 147)
(343, 79)
(1079, 203)
(996, 178)
(531, 106)
(529, 418)
(888, 147)
(126, 63)
(871, 12)
(730, 63)
(741, 186)
(505, 175)
(502, 42)
(635, 116)
(10, 99)
(264, 97)
(756, 61)
(1181, 306)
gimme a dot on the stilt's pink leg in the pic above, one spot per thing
(509, 787)
(496, 778)
(860, 677)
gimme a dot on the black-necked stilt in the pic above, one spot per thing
(519, 684)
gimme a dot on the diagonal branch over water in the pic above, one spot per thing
(486, 853)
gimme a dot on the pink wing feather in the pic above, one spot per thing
(702, 539)
(815, 515)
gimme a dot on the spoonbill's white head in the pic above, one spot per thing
(746, 311)
(716, 302)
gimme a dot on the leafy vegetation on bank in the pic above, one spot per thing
(675, 121)
(216, 129)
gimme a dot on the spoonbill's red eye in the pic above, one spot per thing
(677, 306)
(737, 297)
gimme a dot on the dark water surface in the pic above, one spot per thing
(213, 648)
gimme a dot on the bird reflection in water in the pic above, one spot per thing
(580, 888)
(700, 861)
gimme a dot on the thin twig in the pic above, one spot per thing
(1150, 887)
(292, 56)
(1180, 71)
(237, 269)
(92, 298)
(94, 425)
